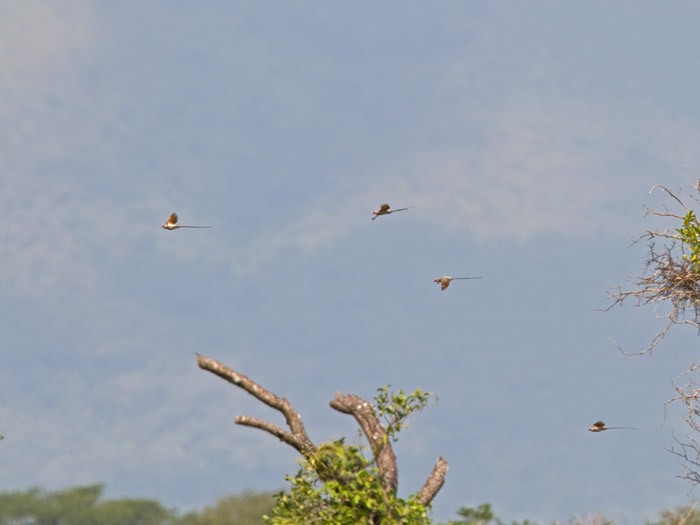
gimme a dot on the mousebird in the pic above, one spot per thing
(171, 223)
(445, 280)
(599, 426)
(385, 209)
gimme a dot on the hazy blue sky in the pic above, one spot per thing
(526, 136)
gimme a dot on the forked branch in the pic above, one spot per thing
(363, 412)
(297, 438)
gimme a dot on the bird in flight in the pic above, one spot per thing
(599, 426)
(385, 209)
(171, 223)
(445, 280)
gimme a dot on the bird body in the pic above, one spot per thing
(599, 426)
(385, 209)
(171, 223)
(445, 280)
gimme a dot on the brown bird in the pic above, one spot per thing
(385, 209)
(445, 280)
(171, 223)
(599, 426)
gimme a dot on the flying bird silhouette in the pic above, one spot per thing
(599, 426)
(385, 209)
(171, 223)
(445, 280)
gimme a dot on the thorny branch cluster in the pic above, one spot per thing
(671, 285)
(671, 278)
(688, 449)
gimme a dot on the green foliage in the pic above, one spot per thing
(245, 509)
(132, 511)
(83, 506)
(690, 237)
(340, 485)
(482, 515)
(79, 506)
(395, 407)
(679, 516)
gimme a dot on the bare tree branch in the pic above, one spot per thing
(689, 451)
(670, 193)
(268, 427)
(363, 412)
(672, 282)
(434, 482)
(671, 285)
(298, 438)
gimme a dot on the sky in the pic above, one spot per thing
(525, 137)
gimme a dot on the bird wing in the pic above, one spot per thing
(384, 207)
(172, 219)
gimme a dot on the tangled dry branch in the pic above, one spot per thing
(671, 281)
(688, 448)
(671, 284)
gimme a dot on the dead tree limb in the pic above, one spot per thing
(361, 410)
(434, 482)
(378, 439)
(298, 438)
